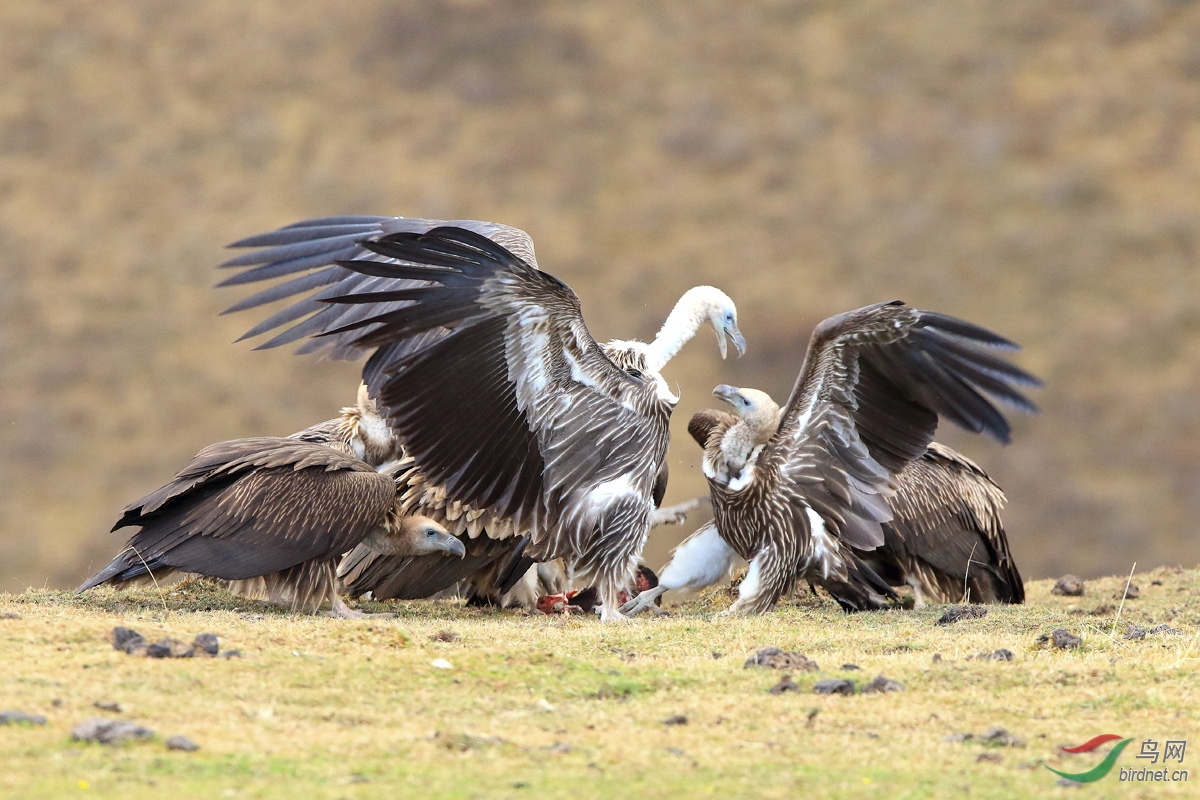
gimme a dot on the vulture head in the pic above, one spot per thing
(758, 412)
(698, 305)
(414, 536)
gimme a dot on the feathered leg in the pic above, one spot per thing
(770, 577)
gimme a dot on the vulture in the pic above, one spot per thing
(275, 514)
(516, 419)
(801, 492)
(945, 540)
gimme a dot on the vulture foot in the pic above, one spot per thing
(646, 602)
(339, 610)
(676, 514)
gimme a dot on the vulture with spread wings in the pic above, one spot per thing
(801, 492)
(485, 371)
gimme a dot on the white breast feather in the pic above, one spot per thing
(703, 559)
(824, 547)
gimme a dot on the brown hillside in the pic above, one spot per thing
(1032, 167)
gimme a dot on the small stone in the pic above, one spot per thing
(883, 684)
(206, 644)
(1131, 593)
(1003, 654)
(786, 684)
(775, 658)
(169, 648)
(445, 636)
(850, 667)
(109, 731)
(127, 640)
(1068, 586)
(1156, 583)
(441, 663)
(1134, 632)
(937, 658)
(999, 737)
(21, 718)
(958, 613)
(834, 686)
(182, 743)
(9, 615)
(559, 747)
(1063, 638)
(1067, 783)
(108, 705)
(677, 719)
(1166, 630)
(231, 654)
(959, 737)
(993, 758)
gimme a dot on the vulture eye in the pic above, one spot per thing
(430, 533)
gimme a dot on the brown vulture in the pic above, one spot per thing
(273, 515)
(946, 539)
(800, 492)
(483, 367)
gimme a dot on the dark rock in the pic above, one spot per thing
(9, 615)
(1067, 783)
(999, 737)
(1060, 638)
(560, 747)
(1003, 654)
(1135, 631)
(445, 636)
(882, 684)
(1156, 583)
(994, 758)
(108, 705)
(1166, 630)
(834, 686)
(775, 658)
(127, 640)
(937, 658)
(109, 731)
(169, 648)
(182, 743)
(959, 737)
(232, 654)
(206, 644)
(1068, 586)
(786, 684)
(850, 667)
(21, 718)
(677, 719)
(958, 613)
(1131, 593)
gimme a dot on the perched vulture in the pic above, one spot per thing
(274, 514)
(801, 492)
(484, 368)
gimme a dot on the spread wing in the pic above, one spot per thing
(485, 369)
(249, 507)
(307, 254)
(867, 402)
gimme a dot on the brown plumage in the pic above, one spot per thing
(796, 492)
(946, 538)
(272, 514)
(483, 367)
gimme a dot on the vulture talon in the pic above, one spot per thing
(645, 601)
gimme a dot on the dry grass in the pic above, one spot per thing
(1030, 166)
(566, 707)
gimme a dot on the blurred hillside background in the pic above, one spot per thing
(1033, 167)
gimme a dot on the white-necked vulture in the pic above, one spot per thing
(274, 515)
(798, 492)
(484, 368)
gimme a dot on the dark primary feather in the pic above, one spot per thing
(418, 577)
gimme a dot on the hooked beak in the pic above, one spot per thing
(739, 341)
(726, 392)
(455, 547)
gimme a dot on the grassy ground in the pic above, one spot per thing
(535, 706)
